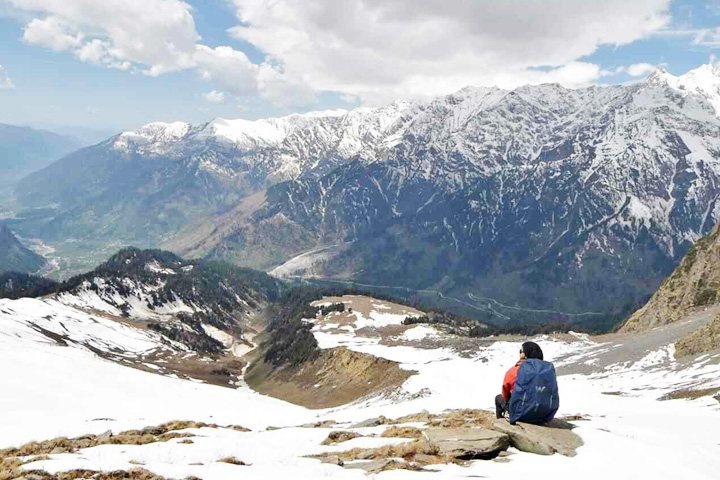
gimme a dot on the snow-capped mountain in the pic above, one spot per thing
(574, 200)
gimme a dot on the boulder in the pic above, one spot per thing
(332, 459)
(467, 443)
(371, 422)
(373, 466)
(547, 439)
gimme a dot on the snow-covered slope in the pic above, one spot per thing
(627, 432)
(204, 306)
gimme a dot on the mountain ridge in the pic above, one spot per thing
(15, 257)
(541, 195)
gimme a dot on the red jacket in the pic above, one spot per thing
(509, 381)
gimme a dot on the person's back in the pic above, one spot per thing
(529, 390)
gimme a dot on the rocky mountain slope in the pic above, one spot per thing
(24, 150)
(570, 200)
(693, 285)
(15, 257)
(543, 198)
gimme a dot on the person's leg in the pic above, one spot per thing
(499, 406)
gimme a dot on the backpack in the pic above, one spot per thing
(535, 397)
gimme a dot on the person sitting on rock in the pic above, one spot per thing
(502, 401)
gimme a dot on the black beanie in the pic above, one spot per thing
(532, 350)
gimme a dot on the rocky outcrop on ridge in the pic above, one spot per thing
(705, 339)
(694, 284)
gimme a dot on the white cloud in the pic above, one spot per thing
(227, 67)
(380, 49)
(150, 36)
(5, 81)
(371, 50)
(53, 33)
(640, 69)
(214, 97)
(158, 35)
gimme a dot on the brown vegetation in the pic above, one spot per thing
(11, 459)
(339, 437)
(402, 432)
(233, 461)
(338, 376)
(12, 470)
(689, 394)
(406, 451)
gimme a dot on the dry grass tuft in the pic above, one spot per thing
(463, 419)
(11, 459)
(135, 474)
(10, 468)
(450, 419)
(339, 437)
(402, 432)
(423, 417)
(237, 428)
(233, 461)
(689, 394)
(160, 433)
(418, 451)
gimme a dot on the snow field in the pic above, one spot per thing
(49, 390)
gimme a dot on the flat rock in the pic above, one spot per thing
(547, 439)
(332, 459)
(371, 422)
(383, 464)
(374, 466)
(467, 443)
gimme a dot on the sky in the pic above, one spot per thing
(118, 64)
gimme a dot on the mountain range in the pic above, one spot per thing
(542, 198)
(24, 150)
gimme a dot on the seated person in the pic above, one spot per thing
(502, 402)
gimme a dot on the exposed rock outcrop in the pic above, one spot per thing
(467, 443)
(553, 437)
(705, 339)
(693, 284)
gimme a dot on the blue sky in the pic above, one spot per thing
(254, 58)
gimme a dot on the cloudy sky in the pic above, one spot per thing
(120, 63)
